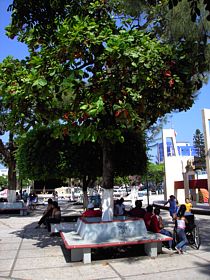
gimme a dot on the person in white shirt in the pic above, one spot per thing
(119, 208)
(181, 224)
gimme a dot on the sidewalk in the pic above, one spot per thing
(29, 253)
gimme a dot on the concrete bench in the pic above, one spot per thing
(96, 234)
(64, 227)
(71, 226)
(13, 207)
(72, 218)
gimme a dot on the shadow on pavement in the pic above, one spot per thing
(40, 235)
(204, 269)
(123, 252)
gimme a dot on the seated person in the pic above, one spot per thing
(18, 197)
(33, 199)
(157, 226)
(148, 216)
(119, 209)
(188, 205)
(90, 212)
(55, 218)
(138, 211)
(47, 213)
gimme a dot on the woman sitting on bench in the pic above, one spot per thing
(47, 213)
(56, 216)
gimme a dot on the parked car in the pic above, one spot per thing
(119, 192)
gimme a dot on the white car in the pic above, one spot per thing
(118, 193)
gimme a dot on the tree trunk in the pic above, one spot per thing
(12, 180)
(9, 158)
(108, 181)
(85, 195)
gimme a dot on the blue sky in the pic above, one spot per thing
(8, 46)
(185, 123)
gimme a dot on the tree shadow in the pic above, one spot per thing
(202, 269)
(40, 236)
(125, 253)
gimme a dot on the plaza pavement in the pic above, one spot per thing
(29, 253)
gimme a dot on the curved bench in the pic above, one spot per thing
(96, 234)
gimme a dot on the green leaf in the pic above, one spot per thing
(93, 111)
(109, 49)
(84, 107)
(121, 139)
(40, 82)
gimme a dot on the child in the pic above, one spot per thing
(181, 224)
(188, 205)
(172, 206)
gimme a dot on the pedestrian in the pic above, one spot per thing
(188, 205)
(25, 196)
(172, 206)
(180, 229)
(33, 199)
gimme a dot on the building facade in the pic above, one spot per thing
(185, 149)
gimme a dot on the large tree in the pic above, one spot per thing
(155, 174)
(7, 148)
(13, 73)
(113, 75)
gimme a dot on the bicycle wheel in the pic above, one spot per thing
(196, 236)
(190, 238)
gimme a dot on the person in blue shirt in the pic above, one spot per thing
(172, 206)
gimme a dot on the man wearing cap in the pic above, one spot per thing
(90, 212)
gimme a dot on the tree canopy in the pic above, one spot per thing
(41, 156)
(98, 74)
(195, 7)
(75, 55)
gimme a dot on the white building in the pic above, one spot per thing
(3, 172)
